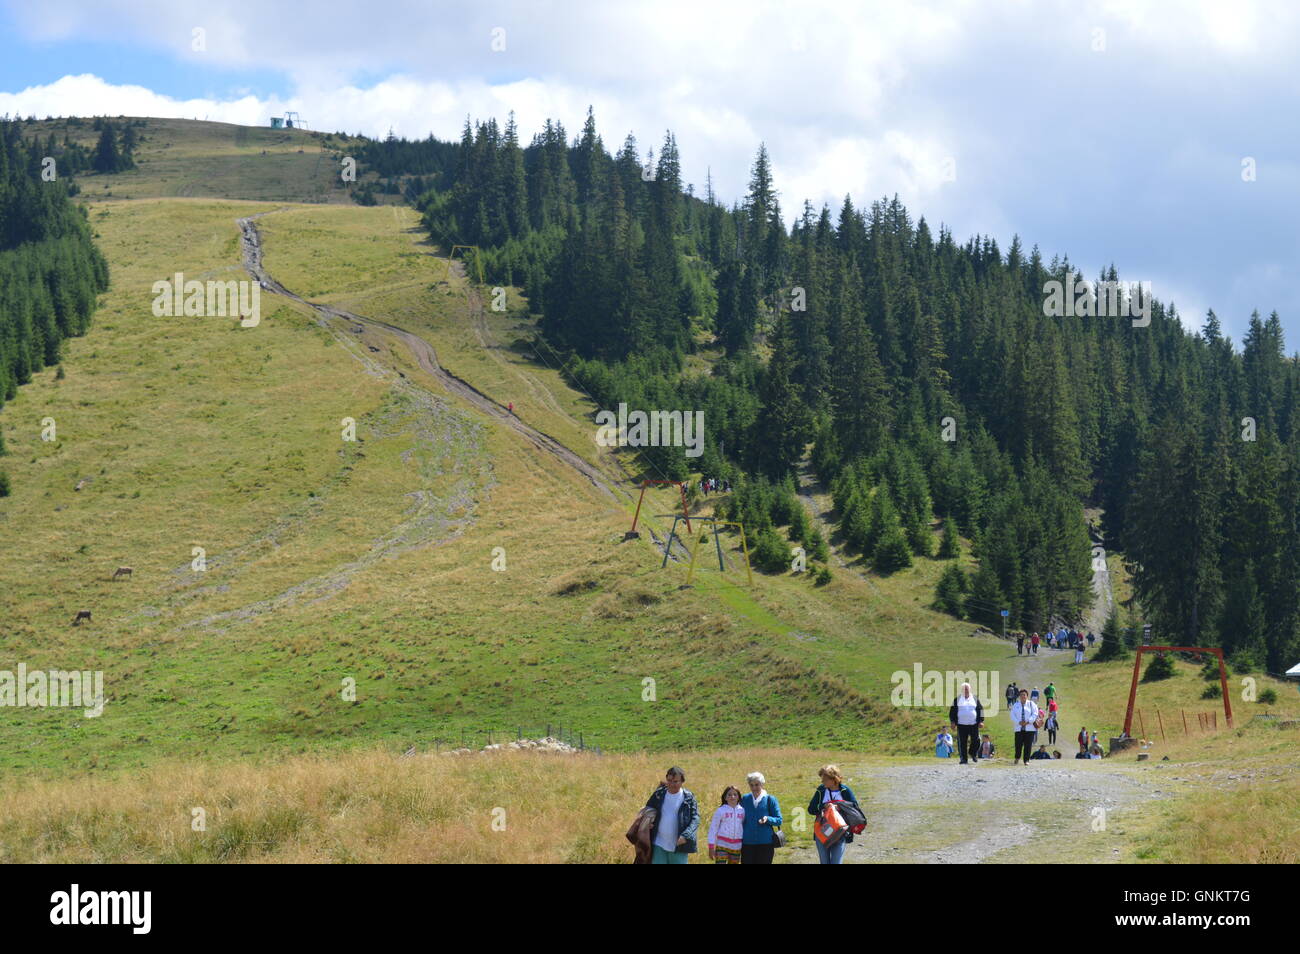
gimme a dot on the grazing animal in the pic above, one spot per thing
(81, 614)
(122, 571)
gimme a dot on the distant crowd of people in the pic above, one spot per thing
(744, 829)
(1055, 639)
(1030, 711)
(712, 485)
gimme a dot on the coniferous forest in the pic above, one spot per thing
(919, 373)
(50, 270)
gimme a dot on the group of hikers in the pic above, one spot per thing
(745, 829)
(1055, 639)
(966, 718)
(713, 485)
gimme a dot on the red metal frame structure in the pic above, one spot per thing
(1137, 668)
(648, 483)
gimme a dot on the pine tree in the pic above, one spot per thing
(984, 601)
(107, 159)
(950, 543)
(783, 422)
(1112, 639)
(951, 590)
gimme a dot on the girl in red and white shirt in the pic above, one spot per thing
(727, 829)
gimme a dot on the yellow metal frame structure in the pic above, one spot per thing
(695, 547)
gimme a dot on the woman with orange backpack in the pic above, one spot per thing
(832, 831)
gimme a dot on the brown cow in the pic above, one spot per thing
(81, 614)
(122, 571)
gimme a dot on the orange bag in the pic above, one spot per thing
(831, 826)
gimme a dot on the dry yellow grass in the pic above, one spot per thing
(1256, 824)
(373, 807)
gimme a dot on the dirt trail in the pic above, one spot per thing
(251, 249)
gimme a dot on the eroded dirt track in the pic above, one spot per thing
(425, 357)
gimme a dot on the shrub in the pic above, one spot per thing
(824, 577)
(1268, 697)
(771, 554)
(1212, 692)
(1162, 667)
(818, 548)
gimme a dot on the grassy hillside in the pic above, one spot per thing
(373, 561)
(199, 159)
(196, 432)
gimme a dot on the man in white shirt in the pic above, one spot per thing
(967, 714)
(677, 818)
(1024, 716)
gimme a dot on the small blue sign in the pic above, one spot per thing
(1006, 612)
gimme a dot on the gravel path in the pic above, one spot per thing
(993, 811)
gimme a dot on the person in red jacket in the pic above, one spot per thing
(1033, 642)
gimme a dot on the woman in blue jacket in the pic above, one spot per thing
(832, 789)
(762, 814)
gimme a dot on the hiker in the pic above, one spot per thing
(1049, 693)
(1033, 696)
(727, 829)
(942, 744)
(1095, 752)
(1033, 642)
(1056, 753)
(967, 714)
(511, 407)
(1011, 694)
(832, 789)
(987, 749)
(1091, 638)
(1083, 739)
(1078, 653)
(1094, 739)
(1051, 725)
(762, 814)
(1024, 719)
(1041, 753)
(676, 820)
(1020, 643)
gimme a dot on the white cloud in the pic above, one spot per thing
(1092, 154)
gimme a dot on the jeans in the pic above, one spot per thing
(1025, 741)
(833, 855)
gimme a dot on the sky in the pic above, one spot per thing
(1161, 137)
